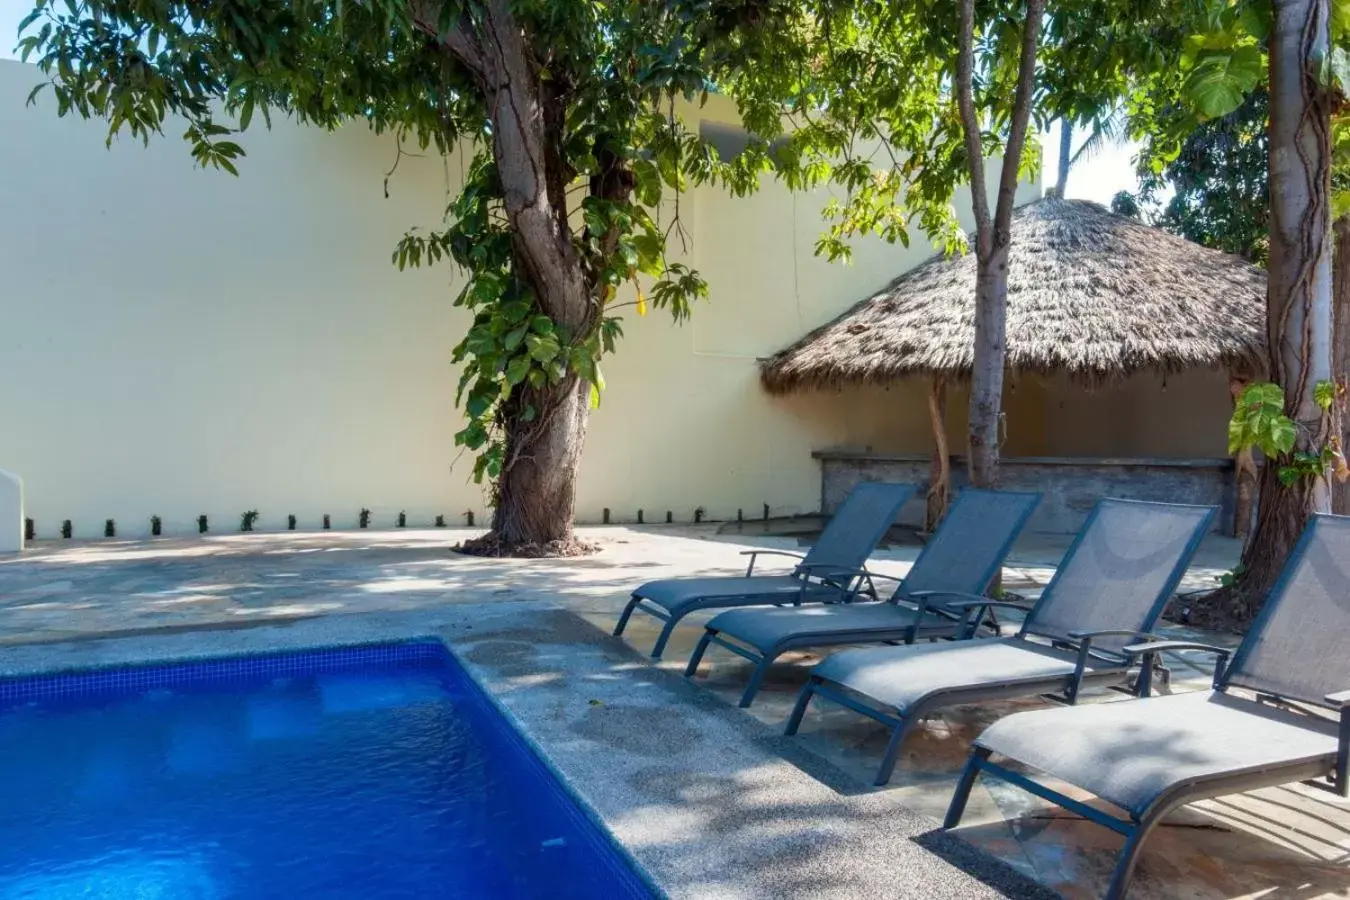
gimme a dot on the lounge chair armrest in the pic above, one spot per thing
(756, 554)
(967, 599)
(987, 601)
(1148, 652)
(1114, 632)
(826, 570)
(1339, 700)
(975, 610)
(851, 582)
(1168, 646)
(958, 610)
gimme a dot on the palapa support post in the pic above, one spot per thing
(1245, 476)
(940, 475)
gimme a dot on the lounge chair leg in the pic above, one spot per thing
(756, 680)
(892, 754)
(1129, 856)
(803, 701)
(627, 613)
(968, 775)
(692, 668)
(664, 637)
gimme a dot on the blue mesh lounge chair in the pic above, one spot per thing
(848, 539)
(1108, 591)
(1149, 756)
(956, 564)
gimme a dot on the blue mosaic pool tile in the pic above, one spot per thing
(143, 678)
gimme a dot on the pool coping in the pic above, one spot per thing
(706, 803)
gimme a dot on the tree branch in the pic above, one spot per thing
(970, 122)
(1021, 112)
(461, 41)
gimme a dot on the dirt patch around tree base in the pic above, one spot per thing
(1222, 610)
(491, 545)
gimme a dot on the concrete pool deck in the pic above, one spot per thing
(795, 816)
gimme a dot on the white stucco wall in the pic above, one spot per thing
(176, 342)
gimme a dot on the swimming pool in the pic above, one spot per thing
(371, 772)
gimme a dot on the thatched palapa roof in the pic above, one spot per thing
(1092, 294)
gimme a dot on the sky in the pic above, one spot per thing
(1098, 178)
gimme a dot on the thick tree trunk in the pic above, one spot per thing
(1299, 300)
(536, 496)
(1340, 271)
(536, 491)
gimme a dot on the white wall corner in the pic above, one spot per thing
(11, 512)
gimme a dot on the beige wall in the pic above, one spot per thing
(176, 342)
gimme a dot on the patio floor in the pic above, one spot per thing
(1281, 842)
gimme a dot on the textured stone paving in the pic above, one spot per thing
(1277, 843)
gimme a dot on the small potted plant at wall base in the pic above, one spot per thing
(156, 526)
(247, 520)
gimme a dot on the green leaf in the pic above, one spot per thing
(1340, 20)
(543, 349)
(1283, 434)
(1222, 78)
(1324, 394)
(1255, 17)
(517, 369)
(595, 397)
(29, 19)
(514, 337)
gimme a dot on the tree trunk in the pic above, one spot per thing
(1340, 272)
(536, 496)
(993, 236)
(940, 476)
(1065, 157)
(1299, 300)
(986, 381)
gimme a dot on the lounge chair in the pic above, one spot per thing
(1109, 591)
(958, 563)
(848, 539)
(1150, 756)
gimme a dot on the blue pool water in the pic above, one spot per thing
(373, 773)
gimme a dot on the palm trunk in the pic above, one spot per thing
(1340, 272)
(1299, 304)
(1065, 157)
